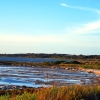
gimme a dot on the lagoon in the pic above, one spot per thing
(24, 59)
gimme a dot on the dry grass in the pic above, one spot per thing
(73, 92)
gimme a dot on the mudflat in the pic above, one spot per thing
(44, 77)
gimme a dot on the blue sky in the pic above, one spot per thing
(50, 26)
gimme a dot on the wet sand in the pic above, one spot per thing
(97, 72)
(44, 77)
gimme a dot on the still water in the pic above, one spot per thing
(23, 59)
(37, 77)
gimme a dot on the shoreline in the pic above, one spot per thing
(12, 87)
(95, 71)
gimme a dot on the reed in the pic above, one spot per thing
(72, 92)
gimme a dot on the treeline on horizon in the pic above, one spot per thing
(54, 55)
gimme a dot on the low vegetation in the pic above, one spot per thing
(60, 64)
(54, 55)
(64, 60)
(72, 92)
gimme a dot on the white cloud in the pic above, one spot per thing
(74, 7)
(87, 28)
(81, 8)
(65, 5)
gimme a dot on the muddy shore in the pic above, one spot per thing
(12, 87)
(44, 77)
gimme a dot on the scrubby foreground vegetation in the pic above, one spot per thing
(73, 92)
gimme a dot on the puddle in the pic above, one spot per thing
(37, 77)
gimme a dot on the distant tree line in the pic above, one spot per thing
(55, 55)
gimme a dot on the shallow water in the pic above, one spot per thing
(23, 59)
(37, 77)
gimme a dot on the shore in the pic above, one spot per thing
(95, 71)
(12, 87)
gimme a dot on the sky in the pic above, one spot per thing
(50, 26)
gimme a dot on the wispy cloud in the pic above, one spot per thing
(86, 28)
(83, 29)
(81, 8)
(65, 5)
(74, 7)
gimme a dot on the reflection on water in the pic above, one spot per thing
(37, 77)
